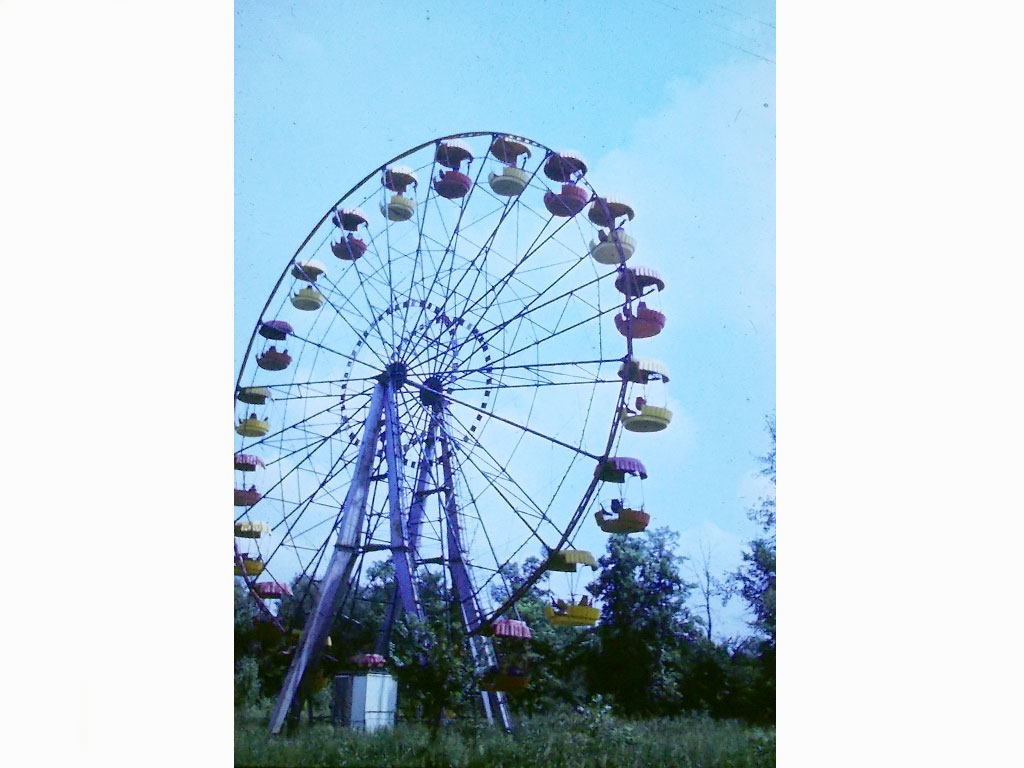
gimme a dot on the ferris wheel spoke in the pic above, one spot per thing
(514, 205)
(306, 504)
(334, 351)
(533, 578)
(492, 364)
(265, 440)
(457, 231)
(459, 563)
(500, 469)
(482, 250)
(529, 309)
(420, 252)
(345, 298)
(532, 249)
(293, 471)
(307, 450)
(450, 248)
(523, 427)
(374, 313)
(550, 336)
(452, 238)
(535, 384)
(285, 386)
(530, 366)
(498, 572)
(291, 519)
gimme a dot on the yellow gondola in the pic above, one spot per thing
(252, 427)
(573, 616)
(650, 419)
(308, 299)
(605, 250)
(399, 208)
(250, 530)
(566, 560)
(627, 521)
(309, 270)
(510, 182)
(250, 566)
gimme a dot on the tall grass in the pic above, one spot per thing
(580, 740)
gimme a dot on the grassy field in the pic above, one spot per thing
(579, 740)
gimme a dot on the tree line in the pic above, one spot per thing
(650, 654)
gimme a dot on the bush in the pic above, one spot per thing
(247, 682)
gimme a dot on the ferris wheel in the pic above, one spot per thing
(440, 378)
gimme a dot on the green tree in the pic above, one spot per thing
(557, 656)
(430, 659)
(646, 633)
(755, 579)
(751, 671)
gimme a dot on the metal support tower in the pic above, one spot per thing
(404, 542)
(339, 569)
(494, 702)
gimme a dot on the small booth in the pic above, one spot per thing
(365, 698)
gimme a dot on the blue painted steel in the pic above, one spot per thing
(481, 649)
(339, 569)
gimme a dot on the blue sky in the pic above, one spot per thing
(673, 105)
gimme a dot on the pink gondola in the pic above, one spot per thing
(453, 185)
(645, 323)
(246, 498)
(506, 149)
(272, 590)
(246, 462)
(276, 330)
(563, 166)
(570, 201)
(511, 628)
(349, 248)
(369, 660)
(274, 360)
(452, 153)
(615, 469)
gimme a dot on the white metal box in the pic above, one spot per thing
(365, 701)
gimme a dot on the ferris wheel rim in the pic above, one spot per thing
(262, 319)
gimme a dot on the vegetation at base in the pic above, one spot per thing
(646, 686)
(591, 736)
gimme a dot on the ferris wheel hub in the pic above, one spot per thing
(430, 393)
(396, 374)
